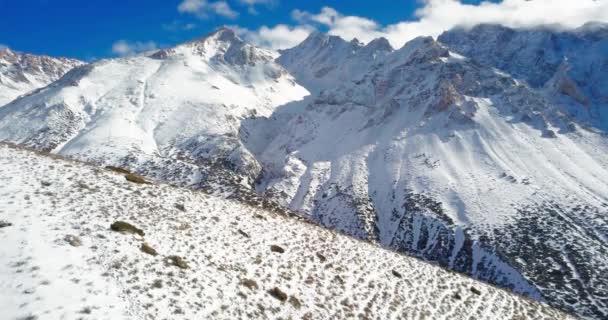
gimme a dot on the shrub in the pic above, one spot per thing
(125, 227)
(146, 248)
(131, 177)
(74, 241)
(157, 284)
(475, 291)
(295, 302)
(250, 284)
(275, 248)
(278, 294)
(321, 257)
(177, 261)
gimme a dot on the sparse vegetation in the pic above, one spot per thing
(177, 261)
(131, 177)
(278, 294)
(125, 227)
(277, 249)
(225, 252)
(295, 302)
(321, 257)
(157, 284)
(4, 224)
(146, 248)
(74, 241)
(250, 284)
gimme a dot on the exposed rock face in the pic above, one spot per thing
(21, 73)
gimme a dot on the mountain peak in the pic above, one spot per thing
(224, 34)
(222, 45)
(379, 44)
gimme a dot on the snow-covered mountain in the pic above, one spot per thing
(197, 256)
(321, 60)
(479, 152)
(21, 73)
(175, 110)
(569, 66)
(484, 151)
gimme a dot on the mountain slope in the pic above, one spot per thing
(175, 110)
(21, 73)
(64, 209)
(438, 155)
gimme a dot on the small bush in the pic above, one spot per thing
(250, 284)
(177, 261)
(295, 302)
(74, 241)
(131, 177)
(125, 227)
(157, 284)
(475, 291)
(4, 224)
(278, 294)
(397, 274)
(277, 249)
(146, 248)
(321, 257)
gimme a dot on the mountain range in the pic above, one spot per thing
(483, 150)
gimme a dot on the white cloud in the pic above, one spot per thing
(125, 48)
(348, 27)
(177, 25)
(278, 37)
(189, 26)
(252, 3)
(437, 16)
(204, 9)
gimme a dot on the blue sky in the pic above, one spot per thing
(87, 29)
(97, 29)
